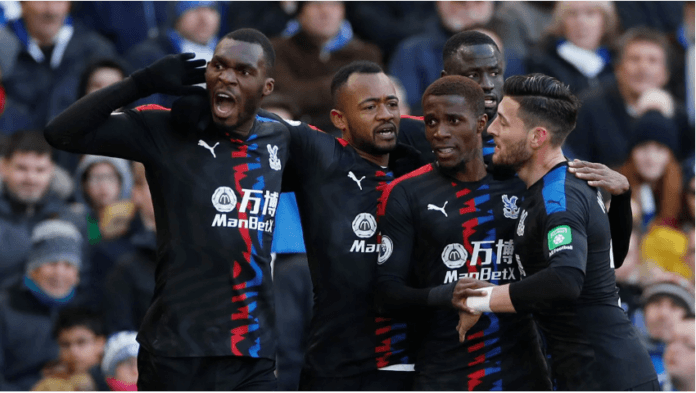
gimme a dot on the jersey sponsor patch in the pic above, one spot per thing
(364, 225)
(454, 255)
(559, 236)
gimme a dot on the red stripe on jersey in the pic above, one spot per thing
(240, 172)
(315, 128)
(412, 117)
(342, 141)
(237, 337)
(475, 379)
(151, 107)
(382, 204)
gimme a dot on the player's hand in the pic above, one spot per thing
(465, 288)
(599, 175)
(173, 74)
(466, 322)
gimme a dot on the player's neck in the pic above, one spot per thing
(381, 159)
(684, 385)
(472, 171)
(541, 162)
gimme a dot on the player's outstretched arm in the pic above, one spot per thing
(620, 214)
(76, 128)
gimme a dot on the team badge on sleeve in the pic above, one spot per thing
(559, 236)
(273, 160)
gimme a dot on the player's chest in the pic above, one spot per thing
(465, 213)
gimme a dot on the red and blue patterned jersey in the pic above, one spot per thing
(215, 198)
(337, 194)
(436, 230)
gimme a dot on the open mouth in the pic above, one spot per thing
(386, 132)
(223, 104)
(443, 152)
(490, 101)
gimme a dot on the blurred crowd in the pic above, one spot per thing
(77, 233)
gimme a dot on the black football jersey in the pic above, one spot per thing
(337, 194)
(436, 230)
(215, 198)
(591, 342)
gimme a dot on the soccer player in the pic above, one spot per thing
(452, 219)
(338, 183)
(476, 56)
(211, 322)
(562, 244)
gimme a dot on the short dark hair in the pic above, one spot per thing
(28, 141)
(457, 85)
(71, 317)
(356, 67)
(546, 101)
(94, 67)
(643, 34)
(254, 36)
(465, 38)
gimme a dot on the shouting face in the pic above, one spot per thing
(237, 80)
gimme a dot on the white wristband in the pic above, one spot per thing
(480, 303)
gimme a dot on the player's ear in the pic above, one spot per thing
(268, 86)
(539, 136)
(481, 124)
(338, 120)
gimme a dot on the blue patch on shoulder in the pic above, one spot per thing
(554, 190)
(266, 119)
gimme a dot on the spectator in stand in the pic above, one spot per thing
(101, 181)
(26, 199)
(102, 184)
(28, 309)
(575, 48)
(665, 304)
(195, 29)
(652, 170)
(129, 286)
(417, 61)
(386, 23)
(81, 338)
(44, 54)
(120, 361)
(307, 61)
(603, 131)
(125, 23)
(679, 356)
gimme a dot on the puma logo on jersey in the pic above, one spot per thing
(355, 179)
(438, 208)
(205, 145)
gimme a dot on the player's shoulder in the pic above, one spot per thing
(409, 181)
(562, 191)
